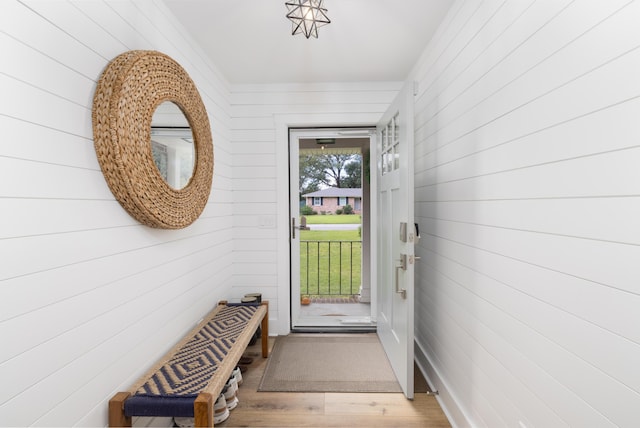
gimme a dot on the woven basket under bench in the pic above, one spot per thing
(187, 381)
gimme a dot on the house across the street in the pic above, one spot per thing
(333, 198)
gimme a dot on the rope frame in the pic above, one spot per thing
(130, 89)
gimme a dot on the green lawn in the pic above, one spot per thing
(328, 267)
(334, 219)
(329, 235)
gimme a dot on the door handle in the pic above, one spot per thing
(403, 266)
(293, 228)
(303, 226)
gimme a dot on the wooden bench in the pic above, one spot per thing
(188, 379)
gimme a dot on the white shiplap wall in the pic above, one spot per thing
(528, 193)
(89, 297)
(261, 115)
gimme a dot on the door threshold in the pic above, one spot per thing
(357, 321)
(334, 329)
(335, 324)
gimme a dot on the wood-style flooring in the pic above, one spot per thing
(283, 409)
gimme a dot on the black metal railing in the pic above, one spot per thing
(330, 268)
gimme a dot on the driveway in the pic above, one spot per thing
(333, 226)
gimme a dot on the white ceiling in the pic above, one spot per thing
(250, 41)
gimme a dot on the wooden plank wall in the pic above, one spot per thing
(88, 296)
(528, 195)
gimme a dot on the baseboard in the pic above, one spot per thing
(446, 397)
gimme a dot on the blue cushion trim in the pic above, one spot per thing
(154, 405)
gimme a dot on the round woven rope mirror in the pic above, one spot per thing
(129, 91)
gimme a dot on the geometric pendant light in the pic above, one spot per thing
(306, 16)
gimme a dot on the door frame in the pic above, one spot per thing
(280, 318)
(333, 323)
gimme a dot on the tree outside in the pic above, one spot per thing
(319, 171)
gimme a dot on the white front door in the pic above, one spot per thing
(396, 236)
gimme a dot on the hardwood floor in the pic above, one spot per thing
(282, 409)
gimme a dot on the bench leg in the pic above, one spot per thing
(203, 410)
(265, 332)
(117, 417)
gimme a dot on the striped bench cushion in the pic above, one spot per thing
(174, 385)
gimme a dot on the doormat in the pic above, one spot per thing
(328, 363)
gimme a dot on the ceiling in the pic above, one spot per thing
(250, 41)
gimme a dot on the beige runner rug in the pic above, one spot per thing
(328, 363)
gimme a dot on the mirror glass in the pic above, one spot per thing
(172, 145)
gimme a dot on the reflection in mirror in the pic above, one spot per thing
(172, 145)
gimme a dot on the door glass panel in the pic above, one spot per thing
(396, 142)
(330, 267)
(390, 153)
(383, 152)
